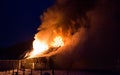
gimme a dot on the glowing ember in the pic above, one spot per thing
(57, 42)
(41, 47)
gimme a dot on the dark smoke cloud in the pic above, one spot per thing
(67, 16)
(89, 29)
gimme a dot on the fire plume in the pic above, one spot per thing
(40, 47)
(57, 42)
(63, 21)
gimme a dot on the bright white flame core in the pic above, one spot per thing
(40, 47)
(57, 42)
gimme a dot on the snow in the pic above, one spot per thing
(38, 72)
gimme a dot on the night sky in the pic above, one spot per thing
(19, 19)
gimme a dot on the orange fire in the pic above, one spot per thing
(38, 48)
(57, 42)
(41, 47)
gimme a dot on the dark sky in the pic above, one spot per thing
(19, 19)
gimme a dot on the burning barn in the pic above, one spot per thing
(62, 29)
(74, 33)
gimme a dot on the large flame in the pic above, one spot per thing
(57, 42)
(40, 47)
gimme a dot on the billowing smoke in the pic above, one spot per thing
(83, 27)
(66, 18)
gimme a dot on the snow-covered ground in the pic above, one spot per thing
(38, 72)
(56, 72)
